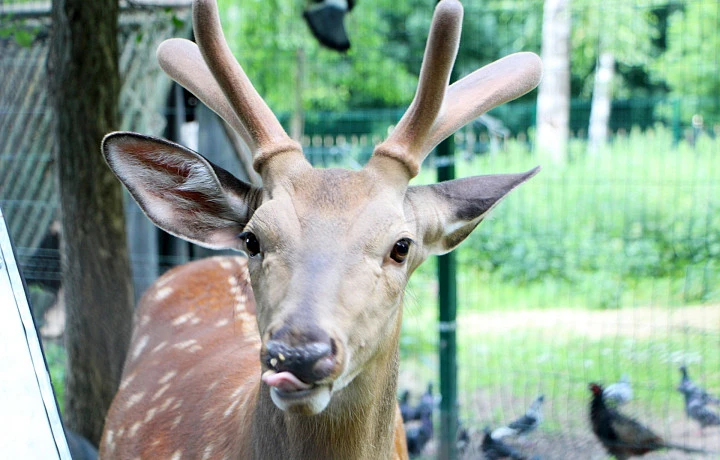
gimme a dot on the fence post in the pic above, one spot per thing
(676, 122)
(447, 290)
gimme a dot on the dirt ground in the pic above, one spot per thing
(638, 322)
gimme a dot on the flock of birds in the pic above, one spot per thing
(622, 436)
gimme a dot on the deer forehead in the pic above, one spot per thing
(347, 208)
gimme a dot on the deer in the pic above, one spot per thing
(290, 349)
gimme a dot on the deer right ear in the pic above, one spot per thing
(181, 191)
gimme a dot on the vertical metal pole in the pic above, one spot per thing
(676, 122)
(448, 305)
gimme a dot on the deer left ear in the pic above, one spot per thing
(447, 212)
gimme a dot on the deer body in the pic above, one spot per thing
(202, 336)
(304, 364)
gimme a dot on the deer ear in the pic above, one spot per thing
(447, 212)
(181, 191)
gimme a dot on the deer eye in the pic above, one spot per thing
(250, 242)
(401, 249)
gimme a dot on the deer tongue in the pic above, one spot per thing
(284, 381)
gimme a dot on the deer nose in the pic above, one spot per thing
(310, 361)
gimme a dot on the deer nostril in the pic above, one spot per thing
(309, 362)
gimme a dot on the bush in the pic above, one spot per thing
(641, 210)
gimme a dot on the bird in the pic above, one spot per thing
(418, 420)
(406, 410)
(696, 402)
(619, 393)
(525, 424)
(621, 435)
(495, 449)
(427, 402)
(418, 433)
(326, 21)
(688, 386)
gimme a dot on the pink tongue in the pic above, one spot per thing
(284, 381)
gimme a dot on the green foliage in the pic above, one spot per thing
(55, 356)
(604, 226)
(19, 31)
(690, 65)
(272, 42)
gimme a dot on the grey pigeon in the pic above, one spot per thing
(523, 425)
(697, 400)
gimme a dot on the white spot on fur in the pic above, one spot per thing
(235, 394)
(127, 381)
(207, 453)
(140, 346)
(165, 280)
(231, 408)
(134, 429)
(109, 439)
(134, 399)
(222, 323)
(225, 264)
(160, 392)
(159, 346)
(150, 414)
(167, 403)
(190, 345)
(166, 378)
(163, 292)
(144, 320)
(182, 319)
(177, 455)
(177, 421)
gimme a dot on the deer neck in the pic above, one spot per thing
(358, 423)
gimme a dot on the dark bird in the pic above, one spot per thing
(688, 386)
(418, 433)
(427, 402)
(406, 410)
(619, 393)
(621, 435)
(696, 402)
(419, 428)
(462, 441)
(494, 449)
(326, 21)
(525, 424)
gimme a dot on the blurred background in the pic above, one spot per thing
(605, 266)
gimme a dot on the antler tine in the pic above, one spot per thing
(488, 87)
(182, 61)
(405, 142)
(267, 137)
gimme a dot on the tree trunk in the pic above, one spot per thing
(84, 85)
(553, 105)
(600, 107)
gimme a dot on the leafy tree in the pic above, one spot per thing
(266, 36)
(690, 65)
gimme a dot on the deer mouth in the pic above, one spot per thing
(291, 394)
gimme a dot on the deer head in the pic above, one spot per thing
(330, 250)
